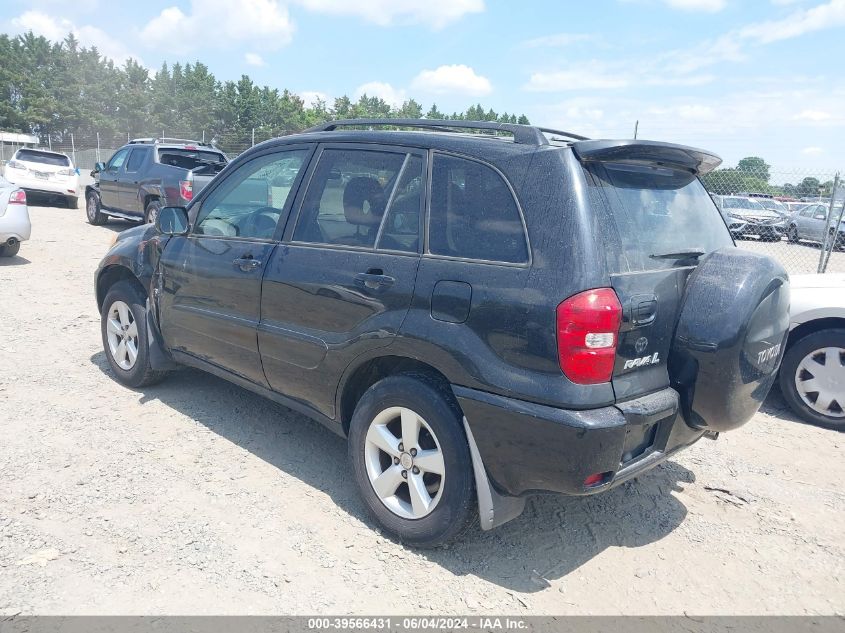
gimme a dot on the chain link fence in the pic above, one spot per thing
(793, 215)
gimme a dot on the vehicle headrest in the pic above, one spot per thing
(358, 191)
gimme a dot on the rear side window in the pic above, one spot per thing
(654, 211)
(190, 158)
(473, 213)
(33, 156)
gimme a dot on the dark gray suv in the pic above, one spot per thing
(483, 316)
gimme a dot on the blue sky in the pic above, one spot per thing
(740, 77)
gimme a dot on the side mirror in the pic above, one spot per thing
(99, 167)
(172, 221)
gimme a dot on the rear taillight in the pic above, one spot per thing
(18, 196)
(587, 335)
(70, 171)
(186, 189)
(16, 164)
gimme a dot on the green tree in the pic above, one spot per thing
(754, 166)
(808, 187)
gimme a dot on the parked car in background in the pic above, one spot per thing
(746, 217)
(483, 317)
(774, 205)
(15, 226)
(812, 376)
(147, 174)
(41, 171)
(811, 223)
(795, 206)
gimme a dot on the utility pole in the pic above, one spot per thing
(636, 128)
(253, 137)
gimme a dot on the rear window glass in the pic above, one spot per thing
(654, 211)
(33, 156)
(473, 213)
(190, 158)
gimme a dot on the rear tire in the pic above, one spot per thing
(92, 210)
(416, 504)
(72, 202)
(10, 250)
(795, 378)
(151, 211)
(123, 325)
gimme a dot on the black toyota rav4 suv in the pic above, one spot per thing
(484, 310)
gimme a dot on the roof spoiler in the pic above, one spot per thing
(691, 159)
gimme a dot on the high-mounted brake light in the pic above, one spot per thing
(18, 196)
(186, 189)
(588, 334)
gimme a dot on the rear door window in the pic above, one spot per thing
(654, 211)
(348, 196)
(473, 213)
(136, 159)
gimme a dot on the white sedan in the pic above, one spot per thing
(812, 375)
(14, 219)
(42, 171)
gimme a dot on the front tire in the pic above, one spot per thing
(812, 378)
(123, 325)
(411, 460)
(792, 234)
(92, 210)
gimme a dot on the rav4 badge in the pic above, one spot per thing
(652, 359)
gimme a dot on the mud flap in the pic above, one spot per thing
(159, 358)
(493, 508)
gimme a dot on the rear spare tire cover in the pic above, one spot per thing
(730, 337)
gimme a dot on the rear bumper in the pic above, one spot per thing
(14, 223)
(527, 447)
(67, 186)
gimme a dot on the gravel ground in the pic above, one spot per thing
(197, 497)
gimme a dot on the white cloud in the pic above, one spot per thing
(263, 24)
(813, 150)
(709, 6)
(452, 79)
(310, 97)
(254, 59)
(813, 116)
(57, 28)
(393, 96)
(558, 40)
(584, 77)
(824, 16)
(434, 13)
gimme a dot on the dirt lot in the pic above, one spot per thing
(196, 496)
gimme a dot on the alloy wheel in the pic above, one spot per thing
(91, 208)
(122, 335)
(404, 462)
(820, 381)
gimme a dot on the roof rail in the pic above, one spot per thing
(524, 134)
(186, 141)
(165, 139)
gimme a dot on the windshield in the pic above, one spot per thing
(742, 203)
(45, 158)
(655, 211)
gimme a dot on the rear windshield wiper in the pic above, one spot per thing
(687, 254)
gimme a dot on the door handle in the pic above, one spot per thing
(374, 279)
(247, 263)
